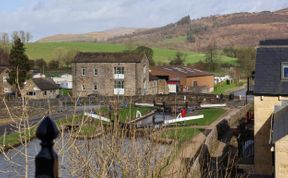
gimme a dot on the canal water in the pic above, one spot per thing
(74, 153)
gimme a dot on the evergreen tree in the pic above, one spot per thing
(19, 63)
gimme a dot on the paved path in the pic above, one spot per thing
(189, 149)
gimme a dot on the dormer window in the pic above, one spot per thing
(284, 71)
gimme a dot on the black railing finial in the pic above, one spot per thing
(47, 159)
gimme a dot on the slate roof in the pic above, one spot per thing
(45, 84)
(119, 57)
(268, 69)
(178, 71)
(274, 42)
(280, 124)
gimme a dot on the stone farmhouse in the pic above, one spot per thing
(185, 79)
(41, 88)
(271, 109)
(109, 74)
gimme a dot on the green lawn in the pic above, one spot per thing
(180, 134)
(210, 115)
(65, 92)
(14, 137)
(126, 114)
(90, 128)
(49, 51)
(224, 87)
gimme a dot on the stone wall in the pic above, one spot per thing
(217, 136)
(263, 109)
(169, 99)
(142, 77)
(158, 87)
(281, 155)
(1, 85)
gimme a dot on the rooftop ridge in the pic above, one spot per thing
(274, 42)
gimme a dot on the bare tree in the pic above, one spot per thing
(4, 39)
(28, 37)
(22, 36)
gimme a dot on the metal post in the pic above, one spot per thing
(248, 88)
(47, 159)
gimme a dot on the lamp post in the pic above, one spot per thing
(249, 92)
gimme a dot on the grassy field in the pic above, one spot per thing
(49, 51)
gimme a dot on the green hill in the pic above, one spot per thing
(50, 50)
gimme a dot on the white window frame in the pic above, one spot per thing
(118, 84)
(95, 72)
(283, 66)
(83, 71)
(119, 70)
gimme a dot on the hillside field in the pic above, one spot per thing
(50, 50)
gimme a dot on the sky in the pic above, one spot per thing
(47, 17)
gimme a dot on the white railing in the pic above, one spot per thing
(212, 105)
(144, 104)
(118, 91)
(95, 116)
(118, 76)
(181, 119)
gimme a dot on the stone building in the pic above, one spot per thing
(185, 79)
(41, 88)
(5, 87)
(109, 74)
(270, 108)
(157, 86)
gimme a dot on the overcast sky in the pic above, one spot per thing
(48, 17)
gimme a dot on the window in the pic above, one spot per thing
(95, 87)
(118, 70)
(284, 71)
(195, 84)
(95, 71)
(31, 93)
(83, 87)
(83, 71)
(119, 84)
(45, 92)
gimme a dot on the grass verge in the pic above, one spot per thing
(181, 134)
(225, 88)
